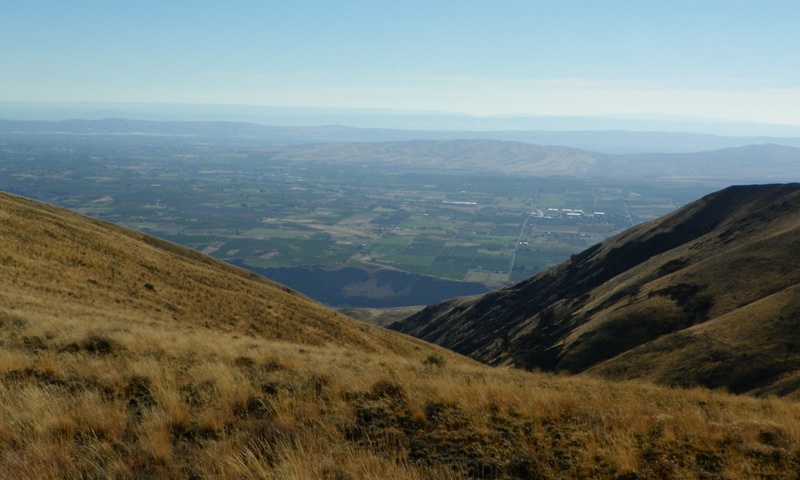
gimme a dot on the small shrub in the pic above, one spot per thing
(139, 394)
(98, 344)
(434, 360)
(34, 343)
(388, 389)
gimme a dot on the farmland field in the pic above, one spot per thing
(236, 204)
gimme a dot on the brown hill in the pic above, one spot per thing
(125, 357)
(447, 155)
(707, 295)
(751, 163)
(58, 266)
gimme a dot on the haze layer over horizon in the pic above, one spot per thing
(728, 60)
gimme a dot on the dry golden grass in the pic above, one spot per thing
(60, 267)
(114, 379)
(236, 407)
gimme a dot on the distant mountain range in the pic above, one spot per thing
(708, 295)
(746, 163)
(327, 130)
(373, 118)
(751, 163)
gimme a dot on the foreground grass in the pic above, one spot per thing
(170, 401)
(126, 357)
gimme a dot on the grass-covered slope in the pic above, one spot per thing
(706, 295)
(125, 357)
(62, 267)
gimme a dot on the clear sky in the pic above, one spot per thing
(724, 59)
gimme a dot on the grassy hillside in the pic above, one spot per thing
(60, 267)
(706, 296)
(125, 357)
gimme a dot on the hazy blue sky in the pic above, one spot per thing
(724, 59)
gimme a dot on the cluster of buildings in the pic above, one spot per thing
(565, 213)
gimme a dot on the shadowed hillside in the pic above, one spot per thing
(126, 357)
(706, 295)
